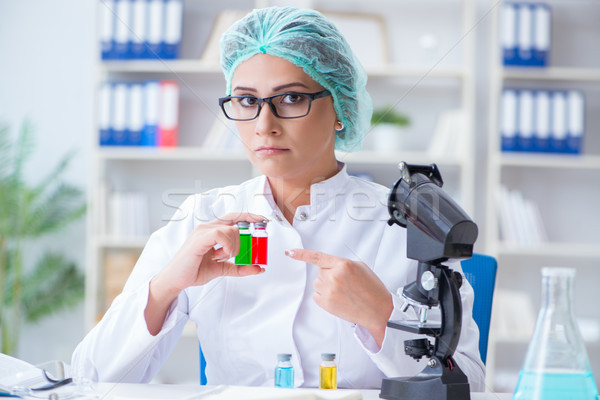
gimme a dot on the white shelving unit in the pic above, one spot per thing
(421, 88)
(555, 182)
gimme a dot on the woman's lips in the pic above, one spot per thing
(270, 150)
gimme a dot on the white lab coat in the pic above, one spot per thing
(242, 323)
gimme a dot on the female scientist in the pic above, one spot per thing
(296, 92)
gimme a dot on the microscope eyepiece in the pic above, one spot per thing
(438, 228)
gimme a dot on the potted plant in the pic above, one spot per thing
(27, 212)
(388, 129)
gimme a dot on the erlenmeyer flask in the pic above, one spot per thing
(556, 366)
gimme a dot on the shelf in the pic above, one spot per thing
(201, 154)
(550, 249)
(541, 160)
(542, 177)
(344, 3)
(169, 154)
(553, 74)
(202, 67)
(525, 341)
(412, 157)
(393, 71)
(161, 66)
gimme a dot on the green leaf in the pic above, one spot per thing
(28, 211)
(54, 284)
(9, 207)
(22, 150)
(5, 151)
(52, 211)
(53, 177)
(388, 115)
(8, 275)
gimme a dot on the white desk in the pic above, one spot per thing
(127, 391)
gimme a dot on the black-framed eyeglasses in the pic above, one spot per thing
(284, 105)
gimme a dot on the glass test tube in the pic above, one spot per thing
(328, 372)
(259, 244)
(244, 257)
(284, 371)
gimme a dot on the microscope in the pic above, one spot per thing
(437, 230)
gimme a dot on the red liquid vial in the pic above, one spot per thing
(260, 242)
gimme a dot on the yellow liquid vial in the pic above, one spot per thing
(328, 378)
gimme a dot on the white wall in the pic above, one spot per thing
(47, 49)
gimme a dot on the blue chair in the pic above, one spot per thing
(202, 366)
(480, 271)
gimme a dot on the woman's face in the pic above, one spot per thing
(297, 149)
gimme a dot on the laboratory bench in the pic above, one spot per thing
(129, 391)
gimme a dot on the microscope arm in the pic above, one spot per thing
(451, 308)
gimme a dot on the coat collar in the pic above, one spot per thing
(321, 193)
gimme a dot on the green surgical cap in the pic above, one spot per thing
(307, 39)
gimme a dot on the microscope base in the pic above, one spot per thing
(430, 384)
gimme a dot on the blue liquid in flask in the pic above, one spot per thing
(556, 365)
(555, 386)
(284, 377)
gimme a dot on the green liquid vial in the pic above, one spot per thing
(244, 257)
(328, 372)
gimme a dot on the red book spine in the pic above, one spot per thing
(168, 125)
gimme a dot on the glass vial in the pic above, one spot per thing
(328, 372)
(284, 371)
(556, 365)
(260, 241)
(244, 257)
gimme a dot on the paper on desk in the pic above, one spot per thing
(258, 393)
(15, 372)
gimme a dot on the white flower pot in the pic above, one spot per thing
(388, 138)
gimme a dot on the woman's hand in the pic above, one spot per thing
(197, 263)
(350, 290)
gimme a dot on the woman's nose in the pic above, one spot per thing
(266, 122)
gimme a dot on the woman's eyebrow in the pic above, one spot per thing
(275, 89)
(246, 89)
(287, 85)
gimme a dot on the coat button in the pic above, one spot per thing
(278, 218)
(302, 216)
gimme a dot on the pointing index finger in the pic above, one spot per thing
(317, 258)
